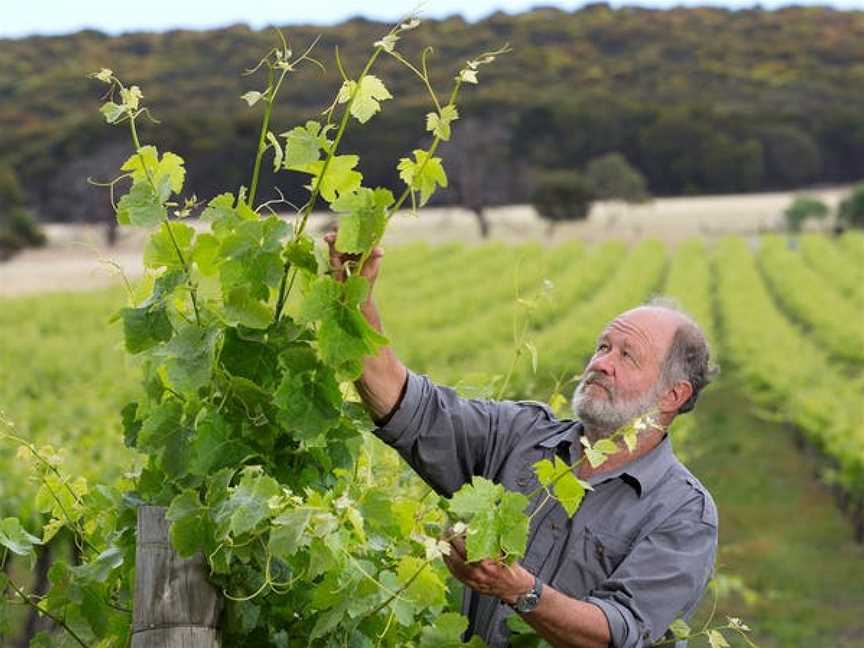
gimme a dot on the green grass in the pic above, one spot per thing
(780, 530)
(64, 377)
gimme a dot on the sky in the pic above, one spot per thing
(26, 17)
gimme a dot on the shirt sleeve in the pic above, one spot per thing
(448, 439)
(663, 577)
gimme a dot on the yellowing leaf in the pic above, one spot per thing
(606, 446)
(717, 640)
(367, 97)
(422, 174)
(339, 178)
(425, 588)
(439, 123)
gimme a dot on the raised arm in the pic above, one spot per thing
(445, 438)
(384, 376)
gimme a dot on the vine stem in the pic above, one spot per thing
(193, 291)
(284, 285)
(558, 476)
(396, 594)
(79, 533)
(26, 599)
(262, 137)
(407, 584)
(408, 190)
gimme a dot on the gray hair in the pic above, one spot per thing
(689, 355)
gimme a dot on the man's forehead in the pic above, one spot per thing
(646, 326)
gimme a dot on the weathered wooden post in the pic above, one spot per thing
(175, 605)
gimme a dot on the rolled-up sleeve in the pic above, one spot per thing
(448, 439)
(663, 577)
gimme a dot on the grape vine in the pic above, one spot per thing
(248, 427)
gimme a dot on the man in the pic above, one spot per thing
(640, 550)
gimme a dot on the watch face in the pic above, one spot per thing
(527, 602)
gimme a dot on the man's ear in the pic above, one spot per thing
(675, 396)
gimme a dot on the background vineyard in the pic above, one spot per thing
(785, 316)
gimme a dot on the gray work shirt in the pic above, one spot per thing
(641, 547)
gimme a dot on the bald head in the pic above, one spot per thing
(682, 347)
(658, 325)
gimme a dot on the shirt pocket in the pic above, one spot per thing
(590, 558)
(605, 549)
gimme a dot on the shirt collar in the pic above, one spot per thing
(646, 471)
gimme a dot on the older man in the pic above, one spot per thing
(641, 548)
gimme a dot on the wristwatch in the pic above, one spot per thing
(527, 602)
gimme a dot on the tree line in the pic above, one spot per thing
(699, 100)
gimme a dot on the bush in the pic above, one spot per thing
(18, 230)
(612, 177)
(561, 195)
(851, 211)
(802, 209)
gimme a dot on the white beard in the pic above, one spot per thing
(610, 414)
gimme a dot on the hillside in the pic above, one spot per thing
(700, 100)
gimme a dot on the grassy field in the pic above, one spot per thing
(780, 530)
(449, 310)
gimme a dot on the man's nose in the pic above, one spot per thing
(601, 364)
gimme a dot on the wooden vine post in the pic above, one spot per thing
(175, 605)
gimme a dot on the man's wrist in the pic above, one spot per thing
(527, 586)
(529, 600)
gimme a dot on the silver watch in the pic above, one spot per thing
(527, 602)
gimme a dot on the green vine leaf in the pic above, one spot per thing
(340, 177)
(422, 174)
(141, 207)
(427, 589)
(190, 529)
(497, 524)
(288, 533)
(248, 504)
(367, 100)
(364, 218)
(214, 445)
(566, 487)
(439, 123)
(594, 456)
(717, 640)
(160, 251)
(344, 335)
(447, 633)
(167, 174)
(145, 327)
(303, 144)
(680, 629)
(16, 539)
(308, 397)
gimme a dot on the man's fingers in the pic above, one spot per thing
(458, 544)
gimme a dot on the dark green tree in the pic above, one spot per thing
(792, 157)
(612, 177)
(562, 195)
(802, 209)
(851, 210)
(17, 229)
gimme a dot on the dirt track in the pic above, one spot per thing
(77, 259)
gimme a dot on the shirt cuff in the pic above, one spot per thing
(398, 420)
(389, 415)
(614, 617)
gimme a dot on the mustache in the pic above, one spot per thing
(596, 378)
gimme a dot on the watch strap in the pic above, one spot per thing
(528, 601)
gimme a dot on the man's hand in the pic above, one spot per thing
(506, 582)
(338, 261)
